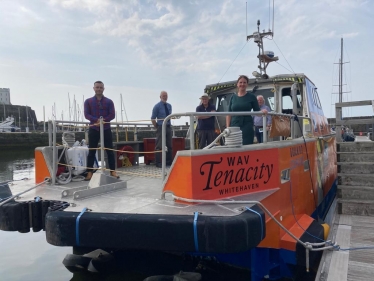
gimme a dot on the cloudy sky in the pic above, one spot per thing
(49, 48)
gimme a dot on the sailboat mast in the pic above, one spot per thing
(341, 72)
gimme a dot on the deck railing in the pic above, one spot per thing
(192, 115)
(52, 131)
(52, 134)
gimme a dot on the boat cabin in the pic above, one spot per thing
(287, 94)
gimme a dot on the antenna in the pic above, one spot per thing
(264, 57)
(273, 19)
(246, 23)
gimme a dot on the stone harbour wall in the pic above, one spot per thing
(32, 140)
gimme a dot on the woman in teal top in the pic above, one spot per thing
(243, 101)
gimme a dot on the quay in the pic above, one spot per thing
(351, 215)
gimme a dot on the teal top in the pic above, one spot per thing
(247, 102)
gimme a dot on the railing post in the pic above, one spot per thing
(192, 133)
(338, 128)
(292, 122)
(264, 129)
(102, 143)
(163, 152)
(135, 133)
(49, 133)
(54, 153)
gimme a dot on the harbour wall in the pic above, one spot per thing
(32, 140)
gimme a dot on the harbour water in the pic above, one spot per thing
(27, 256)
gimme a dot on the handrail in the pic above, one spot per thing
(339, 115)
(193, 114)
(52, 130)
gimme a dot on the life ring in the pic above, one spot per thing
(125, 151)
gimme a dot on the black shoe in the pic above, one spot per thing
(158, 165)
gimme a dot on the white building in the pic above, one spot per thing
(4, 96)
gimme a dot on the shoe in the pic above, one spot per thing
(114, 174)
(158, 165)
(88, 177)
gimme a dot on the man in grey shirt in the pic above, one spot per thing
(258, 123)
(159, 112)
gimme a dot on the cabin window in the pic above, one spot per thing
(287, 103)
(316, 98)
(223, 102)
(285, 175)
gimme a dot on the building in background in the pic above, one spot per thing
(4, 96)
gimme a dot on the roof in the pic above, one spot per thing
(220, 87)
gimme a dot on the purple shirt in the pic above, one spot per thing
(94, 109)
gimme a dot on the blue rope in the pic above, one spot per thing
(97, 163)
(77, 226)
(262, 227)
(3, 199)
(195, 231)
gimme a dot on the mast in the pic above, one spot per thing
(263, 58)
(69, 107)
(121, 111)
(341, 72)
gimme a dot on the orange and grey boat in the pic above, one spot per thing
(254, 212)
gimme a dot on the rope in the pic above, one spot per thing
(106, 169)
(195, 231)
(262, 227)
(233, 138)
(27, 190)
(77, 226)
(305, 245)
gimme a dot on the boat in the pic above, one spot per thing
(227, 212)
(7, 125)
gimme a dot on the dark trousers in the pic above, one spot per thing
(259, 136)
(206, 137)
(93, 142)
(159, 145)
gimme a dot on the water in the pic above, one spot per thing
(27, 256)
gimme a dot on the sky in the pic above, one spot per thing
(53, 50)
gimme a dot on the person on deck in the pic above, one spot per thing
(160, 111)
(258, 122)
(205, 124)
(243, 101)
(94, 108)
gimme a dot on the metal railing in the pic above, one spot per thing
(52, 134)
(52, 131)
(191, 115)
(340, 122)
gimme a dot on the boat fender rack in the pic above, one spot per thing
(157, 232)
(22, 216)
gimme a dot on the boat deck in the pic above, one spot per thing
(141, 195)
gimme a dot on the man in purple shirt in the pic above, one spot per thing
(94, 108)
